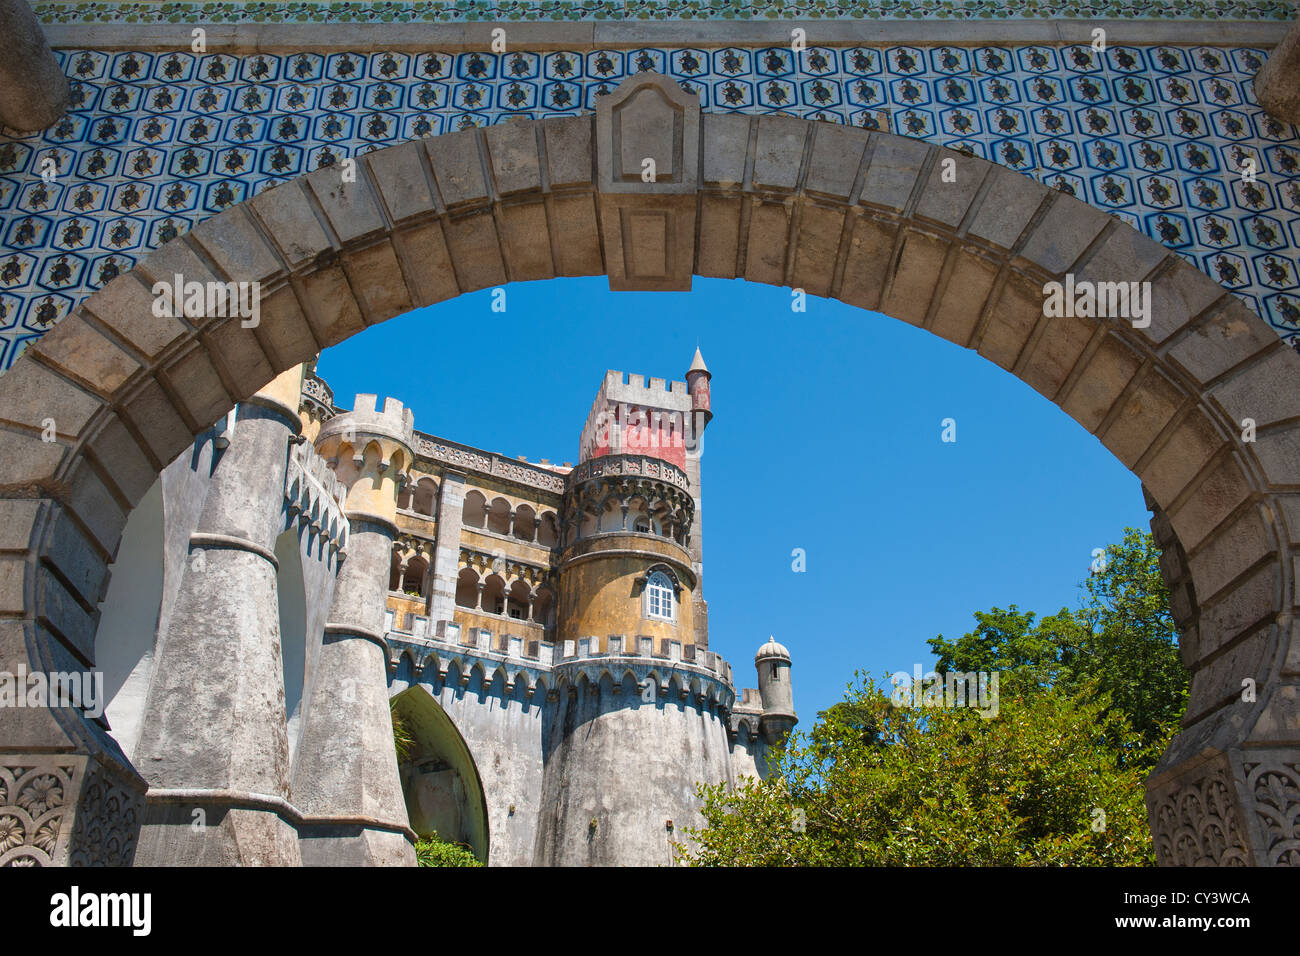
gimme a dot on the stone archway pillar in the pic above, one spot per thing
(345, 777)
(1277, 84)
(33, 90)
(214, 740)
(1224, 792)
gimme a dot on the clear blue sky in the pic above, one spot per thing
(825, 436)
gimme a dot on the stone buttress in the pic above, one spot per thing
(345, 778)
(214, 745)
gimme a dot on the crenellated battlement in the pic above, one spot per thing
(540, 475)
(394, 420)
(349, 433)
(315, 496)
(706, 678)
(642, 647)
(652, 680)
(659, 414)
(634, 389)
(750, 700)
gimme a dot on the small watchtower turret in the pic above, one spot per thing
(773, 664)
(697, 381)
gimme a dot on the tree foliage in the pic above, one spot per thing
(880, 785)
(1121, 642)
(1088, 699)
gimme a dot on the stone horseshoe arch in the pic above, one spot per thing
(864, 217)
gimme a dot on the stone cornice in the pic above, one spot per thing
(682, 568)
(476, 461)
(344, 631)
(271, 404)
(359, 520)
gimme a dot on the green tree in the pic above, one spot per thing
(1129, 642)
(1120, 642)
(1088, 699)
(1026, 655)
(880, 785)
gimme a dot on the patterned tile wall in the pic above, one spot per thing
(156, 142)
(453, 11)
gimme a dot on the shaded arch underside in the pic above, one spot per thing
(440, 780)
(863, 217)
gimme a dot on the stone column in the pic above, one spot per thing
(33, 90)
(345, 777)
(1277, 84)
(445, 568)
(426, 581)
(214, 742)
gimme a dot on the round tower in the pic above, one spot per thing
(637, 712)
(626, 568)
(698, 377)
(773, 664)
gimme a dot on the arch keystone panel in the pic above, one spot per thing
(648, 227)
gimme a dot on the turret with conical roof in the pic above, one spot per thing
(697, 380)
